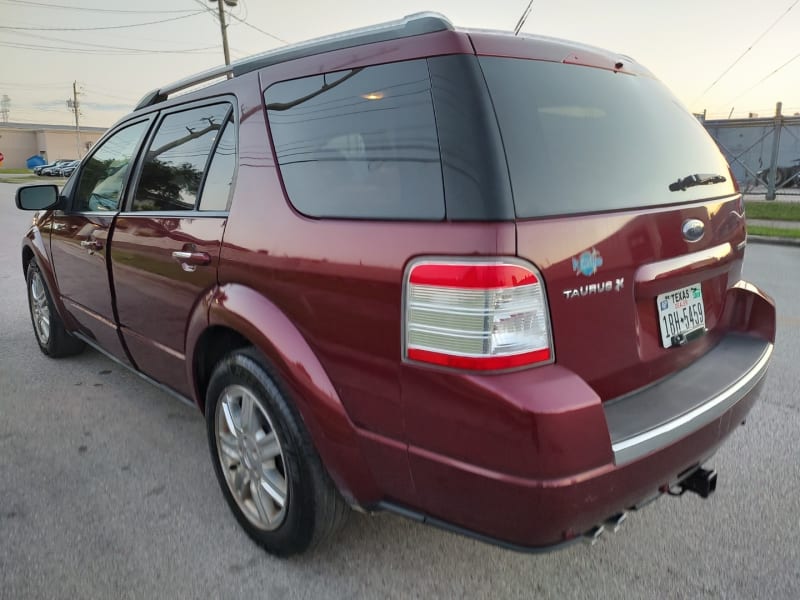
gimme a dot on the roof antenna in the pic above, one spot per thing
(523, 18)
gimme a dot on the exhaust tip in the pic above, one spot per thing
(614, 523)
(591, 536)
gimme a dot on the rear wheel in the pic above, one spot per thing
(50, 333)
(266, 465)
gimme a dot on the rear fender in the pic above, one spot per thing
(253, 316)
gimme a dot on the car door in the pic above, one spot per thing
(166, 244)
(80, 235)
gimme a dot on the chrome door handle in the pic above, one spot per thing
(191, 260)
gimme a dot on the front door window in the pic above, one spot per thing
(104, 174)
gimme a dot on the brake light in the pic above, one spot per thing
(476, 315)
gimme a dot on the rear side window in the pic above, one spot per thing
(359, 143)
(176, 159)
(581, 139)
(219, 180)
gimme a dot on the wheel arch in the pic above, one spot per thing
(239, 316)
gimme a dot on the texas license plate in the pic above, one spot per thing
(680, 314)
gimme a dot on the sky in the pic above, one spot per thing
(117, 51)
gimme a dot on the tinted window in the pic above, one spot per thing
(474, 166)
(177, 157)
(217, 187)
(581, 139)
(104, 174)
(359, 143)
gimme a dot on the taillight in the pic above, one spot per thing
(476, 315)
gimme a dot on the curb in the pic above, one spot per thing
(763, 239)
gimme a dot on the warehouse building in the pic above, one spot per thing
(21, 141)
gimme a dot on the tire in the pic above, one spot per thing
(266, 465)
(780, 177)
(52, 337)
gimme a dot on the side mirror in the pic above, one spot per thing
(37, 197)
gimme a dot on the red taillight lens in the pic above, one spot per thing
(476, 315)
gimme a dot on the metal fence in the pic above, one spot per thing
(764, 153)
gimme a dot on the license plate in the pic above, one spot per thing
(680, 313)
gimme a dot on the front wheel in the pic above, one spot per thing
(48, 328)
(266, 465)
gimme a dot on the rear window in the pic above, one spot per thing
(360, 143)
(581, 139)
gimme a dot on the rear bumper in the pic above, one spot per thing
(670, 410)
(531, 514)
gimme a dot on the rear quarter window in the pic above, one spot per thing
(360, 143)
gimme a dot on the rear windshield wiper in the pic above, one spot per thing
(696, 179)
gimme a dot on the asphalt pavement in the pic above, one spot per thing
(107, 491)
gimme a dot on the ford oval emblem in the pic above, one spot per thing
(693, 230)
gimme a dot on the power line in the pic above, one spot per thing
(126, 50)
(105, 10)
(107, 52)
(243, 22)
(267, 33)
(750, 47)
(36, 86)
(762, 80)
(10, 27)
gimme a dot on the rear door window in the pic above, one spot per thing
(177, 157)
(360, 143)
(581, 139)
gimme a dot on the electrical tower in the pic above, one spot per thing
(5, 108)
(75, 106)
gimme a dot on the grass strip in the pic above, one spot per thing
(774, 232)
(776, 211)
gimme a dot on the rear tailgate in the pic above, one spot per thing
(605, 275)
(627, 208)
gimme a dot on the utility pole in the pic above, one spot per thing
(776, 146)
(223, 27)
(5, 108)
(75, 107)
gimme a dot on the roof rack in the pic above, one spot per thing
(409, 26)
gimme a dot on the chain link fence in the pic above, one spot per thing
(764, 153)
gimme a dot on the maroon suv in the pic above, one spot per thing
(488, 282)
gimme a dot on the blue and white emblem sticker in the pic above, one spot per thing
(587, 263)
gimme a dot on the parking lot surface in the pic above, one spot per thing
(107, 490)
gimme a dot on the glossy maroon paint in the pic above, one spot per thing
(155, 293)
(523, 456)
(78, 246)
(619, 349)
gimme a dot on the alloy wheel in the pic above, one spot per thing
(251, 457)
(40, 310)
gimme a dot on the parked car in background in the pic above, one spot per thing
(67, 169)
(489, 282)
(48, 167)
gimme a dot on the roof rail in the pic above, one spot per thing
(409, 26)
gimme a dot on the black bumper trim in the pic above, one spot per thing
(681, 404)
